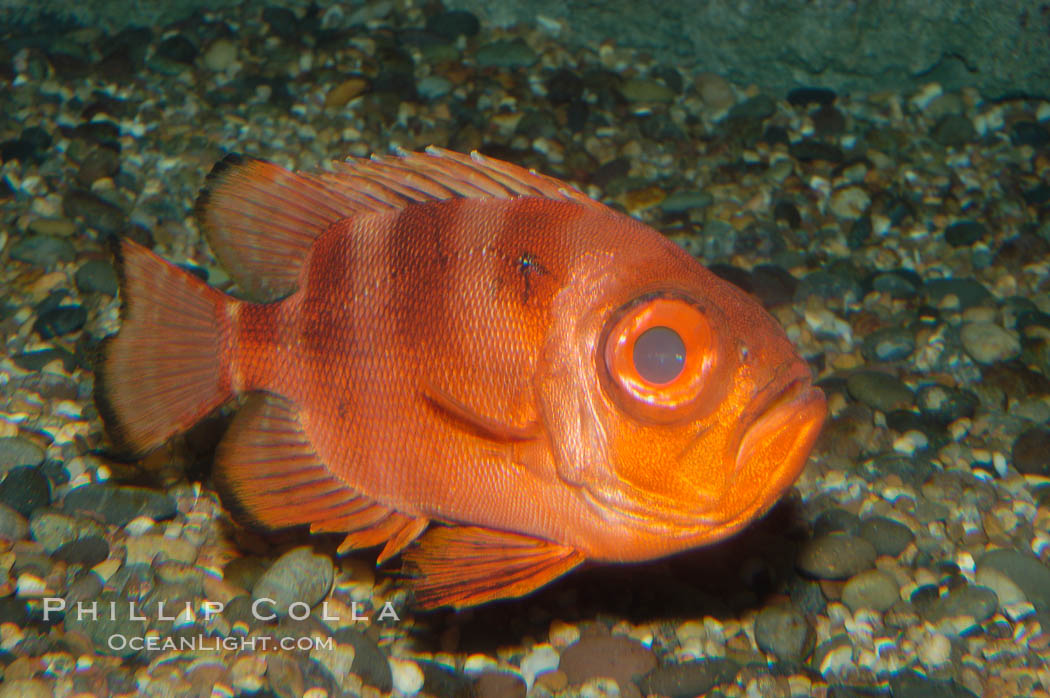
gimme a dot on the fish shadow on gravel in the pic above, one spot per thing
(721, 580)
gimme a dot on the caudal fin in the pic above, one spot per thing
(164, 370)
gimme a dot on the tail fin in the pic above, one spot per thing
(164, 370)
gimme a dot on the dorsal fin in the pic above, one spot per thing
(261, 219)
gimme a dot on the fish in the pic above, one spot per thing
(468, 363)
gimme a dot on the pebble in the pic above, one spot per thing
(434, 87)
(407, 676)
(849, 202)
(86, 551)
(114, 619)
(13, 526)
(505, 53)
(685, 201)
(911, 684)
(953, 130)
(1023, 570)
(643, 90)
(989, 343)
(499, 684)
(43, 250)
(94, 211)
(60, 321)
(889, 344)
(24, 489)
(117, 505)
(887, 536)
(835, 556)
(300, 575)
(540, 659)
(452, 24)
(873, 589)
(369, 661)
(965, 233)
(689, 679)
(97, 276)
(25, 688)
(946, 403)
(935, 651)
(784, 633)
(345, 91)
(220, 55)
(879, 391)
(615, 656)
(440, 680)
(1030, 453)
(961, 609)
(967, 292)
(715, 91)
(18, 450)
(54, 530)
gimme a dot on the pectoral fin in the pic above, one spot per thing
(467, 565)
(267, 462)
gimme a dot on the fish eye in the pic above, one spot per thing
(658, 353)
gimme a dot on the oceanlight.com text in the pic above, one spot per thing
(202, 643)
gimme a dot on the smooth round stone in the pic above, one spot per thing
(220, 55)
(1030, 453)
(849, 202)
(888, 344)
(540, 660)
(962, 608)
(452, 24)
(879, 391)
(835, 556)
(177, 48)
(898, 283)
(63, 320)
(911, 684)
(873, 589)
(688, 679)
(24, 489)
(43, 250)
(644, 90)
(759, 107)
(300, 575)
(54, 530)
(434, 87)
(96, 212)
(615, 656)
(945, 404)
(1029, 575)
(13, 526)
(953, 130)
(98, 164)
(499, 684)
(97, 276)
(835, 519)
(86, 551)
(369, 661)
(119, 504)
(989, 343)
(1029, 133)
(406, 675)
(17, 450)
(829, 285)
(965, 233)
(968, 292)
(784, 633)
(685, 201)
(505, 53)
(813, 150)
(114, 618)
(887, 536)
(440, 680)
(805, 96)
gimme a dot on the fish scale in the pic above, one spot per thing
(444, 355)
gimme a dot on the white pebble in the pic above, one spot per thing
(936, 651)
(407, 676)
(542, 659)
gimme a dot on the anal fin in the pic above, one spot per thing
(467, 565)
(267, 462)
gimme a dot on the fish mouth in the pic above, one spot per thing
(774, 448)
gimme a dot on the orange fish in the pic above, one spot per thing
(442, 338)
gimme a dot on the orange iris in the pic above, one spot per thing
(659, 354)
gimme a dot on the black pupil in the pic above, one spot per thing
(659, 355)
